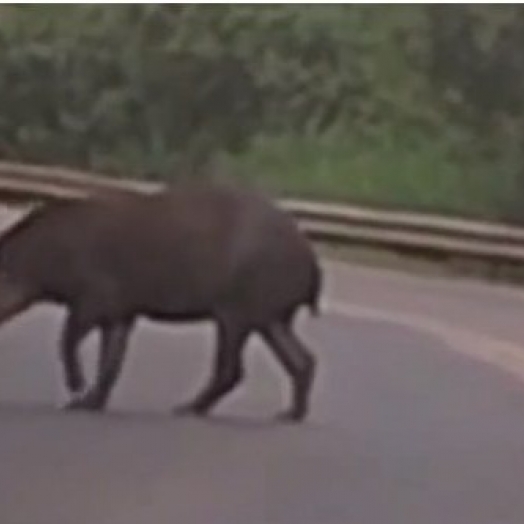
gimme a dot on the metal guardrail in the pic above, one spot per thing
(427, 235)
(416, 234)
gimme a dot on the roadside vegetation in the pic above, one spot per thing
(419, 107)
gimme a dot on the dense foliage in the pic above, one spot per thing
(430, 97)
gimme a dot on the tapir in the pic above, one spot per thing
(205, 251)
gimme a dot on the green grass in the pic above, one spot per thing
(405, 173)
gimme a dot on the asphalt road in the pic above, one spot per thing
(418, 418)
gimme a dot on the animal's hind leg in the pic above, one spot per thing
(228, 369)
(113, 348)
(298, 362)
(76, 327)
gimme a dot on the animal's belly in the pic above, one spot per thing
(174, 300)
(176, 315)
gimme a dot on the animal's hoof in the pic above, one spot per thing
(86, 402)
(188, 410)
(290, 416)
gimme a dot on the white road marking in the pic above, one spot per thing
(501, 353)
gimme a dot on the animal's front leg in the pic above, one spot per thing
(14, 299)
(112, 353)
(76, 327)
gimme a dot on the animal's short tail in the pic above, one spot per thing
(315, 291)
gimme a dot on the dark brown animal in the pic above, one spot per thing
(193, 252)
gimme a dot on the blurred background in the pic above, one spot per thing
(418, 107)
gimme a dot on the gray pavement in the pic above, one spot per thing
(404, 428)
(486, 308)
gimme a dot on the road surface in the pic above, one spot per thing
(418, 418)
